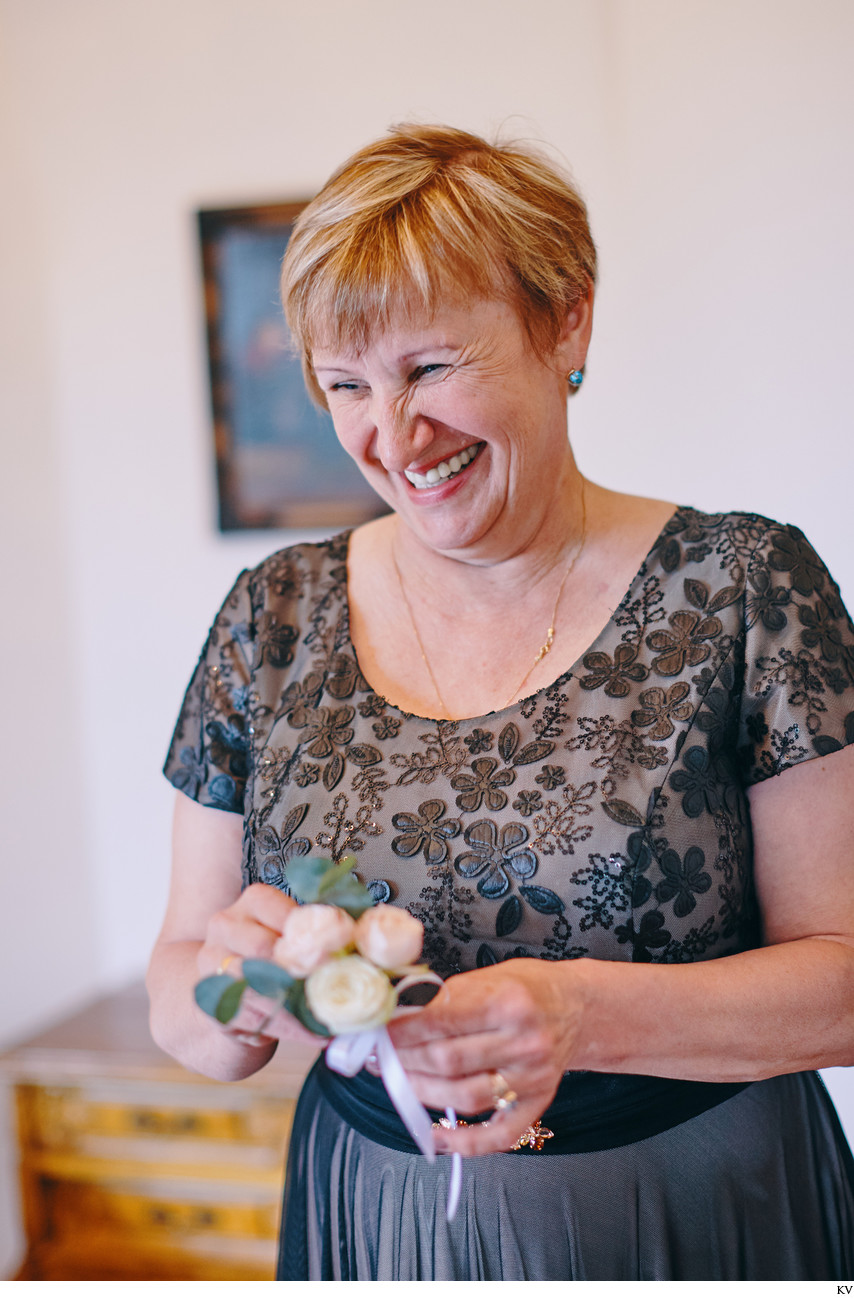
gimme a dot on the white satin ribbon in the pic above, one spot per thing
(349, 1052)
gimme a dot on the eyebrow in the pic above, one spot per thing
(405, 359)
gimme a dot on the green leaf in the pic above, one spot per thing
(297, 1005)
(267, 978)
(316, 879)
(209, 991)
(229, 1003)
(336, 871)
(306, 875)
(350, 895)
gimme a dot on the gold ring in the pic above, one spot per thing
(504, 1099)
(222, 968)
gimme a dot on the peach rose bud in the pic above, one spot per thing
(389, 936)
(311, 934)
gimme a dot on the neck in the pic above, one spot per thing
(555, 563)
(497, 571)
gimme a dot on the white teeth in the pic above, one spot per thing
(446, 469)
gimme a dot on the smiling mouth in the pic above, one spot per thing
(444, 470)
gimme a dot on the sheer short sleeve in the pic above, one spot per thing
(208, 756)
(798, 699)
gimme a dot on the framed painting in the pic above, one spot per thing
(278, 462)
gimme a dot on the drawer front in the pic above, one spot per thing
(142, 1213)
(64, 1118)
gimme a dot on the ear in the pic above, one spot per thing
(571, 349)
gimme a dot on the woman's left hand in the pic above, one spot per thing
(519, 1019)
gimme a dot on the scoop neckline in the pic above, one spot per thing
(517, 703)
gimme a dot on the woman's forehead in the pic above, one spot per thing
(450, 324)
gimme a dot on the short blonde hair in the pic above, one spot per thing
(428, 212)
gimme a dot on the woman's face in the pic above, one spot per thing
(457, 424)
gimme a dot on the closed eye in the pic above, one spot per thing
(423, 370)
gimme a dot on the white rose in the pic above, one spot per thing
(311, 934)
(349, 995)
(389, 936)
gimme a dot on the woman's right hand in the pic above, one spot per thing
(249, 928)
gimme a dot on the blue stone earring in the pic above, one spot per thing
(575, 378)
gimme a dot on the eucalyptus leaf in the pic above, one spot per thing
(297, 1005)
(306, 875)
(229, 1003)
(351, 896)
(267, 978)
(336, 872)
(209, 991)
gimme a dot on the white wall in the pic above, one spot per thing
(712, 140)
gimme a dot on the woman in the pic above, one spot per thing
(599, 744)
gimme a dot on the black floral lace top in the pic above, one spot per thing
(603, 816)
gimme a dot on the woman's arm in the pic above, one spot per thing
(785, 1007)
(207, 919)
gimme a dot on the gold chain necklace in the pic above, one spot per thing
(550, 634)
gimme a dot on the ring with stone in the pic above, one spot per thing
(504, 1098)
(222, 968)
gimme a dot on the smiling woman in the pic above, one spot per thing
(600, 746)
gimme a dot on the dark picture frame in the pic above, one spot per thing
(278, 461)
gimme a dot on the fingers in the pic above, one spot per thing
(455, 1057)
(248, 928)
(260, 1023)
(457, 1009)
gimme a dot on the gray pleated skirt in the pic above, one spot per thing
(761, 1187)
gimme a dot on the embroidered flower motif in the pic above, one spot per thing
(229, 744)
(793, 554)
(683, 879)
(698, 784)
(329, 728)
(768, 603)
(486, 783)
(372, 706)
(345, 678)
(685, 644)
(386, 728)
(427, 831)
(610, 888)
(651, 934)
(307, 773)
(821, 629)
(276, 641)
(222, 793)
(190, 775)
(718, 717)
(659, 708)
(614, 674)
(276, 848)
(528, 801)
(756, 726)
(479, 741)
(786, 748)
(301, 698)
(551, 777)
(495, 853)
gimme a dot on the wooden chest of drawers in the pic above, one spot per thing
(132, 1168)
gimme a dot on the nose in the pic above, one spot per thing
(402, 433)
